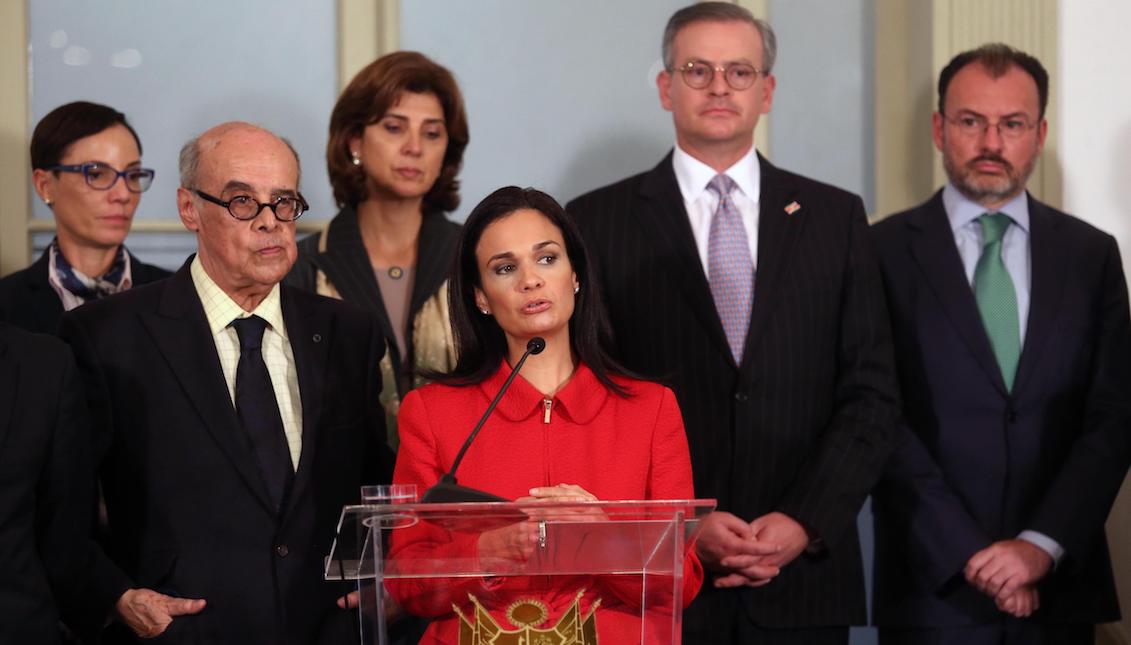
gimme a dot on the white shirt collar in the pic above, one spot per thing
(221, 310)
(693, 175)
(961, 210)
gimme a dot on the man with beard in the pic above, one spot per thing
(1013, 349)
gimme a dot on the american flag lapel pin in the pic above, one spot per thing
(792, 208)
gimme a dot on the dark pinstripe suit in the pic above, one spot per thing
(803, 425)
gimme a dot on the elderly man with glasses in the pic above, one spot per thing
(753, 293)
(233, 416)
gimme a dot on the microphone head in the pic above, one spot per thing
(536, 345)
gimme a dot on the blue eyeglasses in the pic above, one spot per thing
(100, 176)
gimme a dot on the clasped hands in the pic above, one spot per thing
(515, 543)
(1008, 571)
(749, 554)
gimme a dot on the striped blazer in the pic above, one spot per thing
(803, 424)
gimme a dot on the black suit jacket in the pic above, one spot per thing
(46, 488)
(27, 299)
(978, 463)
(802, 426)
(189, 513)
(346, 264)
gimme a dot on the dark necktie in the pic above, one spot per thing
(259, 411)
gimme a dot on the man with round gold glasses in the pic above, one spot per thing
(86, 161)
(753, 293)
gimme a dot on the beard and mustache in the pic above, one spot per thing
(988, 189)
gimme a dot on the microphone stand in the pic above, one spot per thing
(447, 490)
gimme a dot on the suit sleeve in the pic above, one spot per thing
(847, 459)
(107, 582)
(915, 497)
(1076, 505)
(65, 511)
(670, 478)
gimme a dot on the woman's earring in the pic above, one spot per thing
(576, 289)
(356, 159)
(483, 310)
(46, 202)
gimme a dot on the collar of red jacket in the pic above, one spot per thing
(579, 401)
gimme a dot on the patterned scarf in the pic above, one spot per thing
(85, 287)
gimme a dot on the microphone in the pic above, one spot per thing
(446, 490)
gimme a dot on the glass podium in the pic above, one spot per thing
(520, 574)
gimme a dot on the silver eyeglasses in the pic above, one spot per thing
(976, 125)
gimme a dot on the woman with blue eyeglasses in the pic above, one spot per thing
(86, 166)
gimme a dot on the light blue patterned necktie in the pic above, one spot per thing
(729, 266)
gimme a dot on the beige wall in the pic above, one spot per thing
(1095, 162)
(914, 41)
(14, 176)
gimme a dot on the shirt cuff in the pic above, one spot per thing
(1045, 543)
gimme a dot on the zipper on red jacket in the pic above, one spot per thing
(547, 405)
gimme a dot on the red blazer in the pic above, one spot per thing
(616, 448)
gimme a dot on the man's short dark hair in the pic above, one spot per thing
(718, 12)
(68, 123)
(997, 58)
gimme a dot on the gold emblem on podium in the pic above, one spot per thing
(526, 615)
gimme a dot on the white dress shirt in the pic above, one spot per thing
(700, 203)
(221, 310)
(963, 215)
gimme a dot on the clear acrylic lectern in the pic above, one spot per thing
(520, 574)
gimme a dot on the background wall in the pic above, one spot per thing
(822, 119)
(1094, 90)
(176, 68)
(561, 95)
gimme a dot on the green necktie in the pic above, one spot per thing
(997, 301)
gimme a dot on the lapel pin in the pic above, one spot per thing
(317, 338)
(792, 208)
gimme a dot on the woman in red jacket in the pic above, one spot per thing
(573, 426)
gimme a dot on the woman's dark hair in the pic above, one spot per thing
(480, 342)
(367, 98)
(68, 123)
